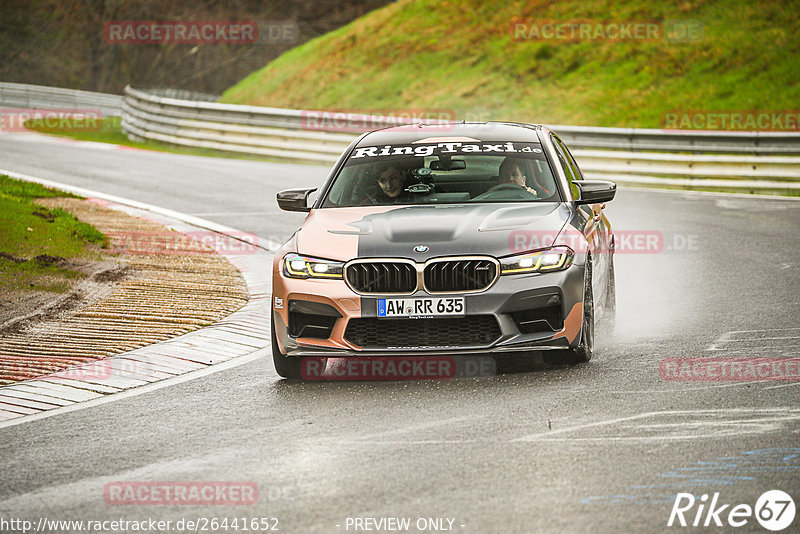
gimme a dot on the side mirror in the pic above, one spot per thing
(594, 191)
(294, 199)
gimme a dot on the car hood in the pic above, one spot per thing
(422, 232)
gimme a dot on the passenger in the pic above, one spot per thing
(515, 171)
(392, 180)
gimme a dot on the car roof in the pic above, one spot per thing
(442, 132)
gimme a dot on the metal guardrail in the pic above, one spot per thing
(245, 129)
(298, 134)
(183, 94)
(18, 95)
(688, 141)
(694, 165)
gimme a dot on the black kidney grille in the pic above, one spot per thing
(374, 333)
(382, 277)
(460, 275)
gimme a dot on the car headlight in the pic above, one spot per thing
(541, 261)
(298, 266)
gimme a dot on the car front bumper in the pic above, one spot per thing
(533, 312)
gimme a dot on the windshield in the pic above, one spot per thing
(444, 173)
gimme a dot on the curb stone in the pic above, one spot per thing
(242, 333)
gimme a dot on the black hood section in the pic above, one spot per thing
(485, 229)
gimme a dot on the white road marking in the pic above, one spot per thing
(783, 386)
(792, 328)
(231, 213)
(767, 340)
(698, 424)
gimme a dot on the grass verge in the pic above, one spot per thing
(37, 244)
(469, 59)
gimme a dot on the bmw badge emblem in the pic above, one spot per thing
(421, 248)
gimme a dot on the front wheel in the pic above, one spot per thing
(285, 366)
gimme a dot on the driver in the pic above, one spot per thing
(515, 171)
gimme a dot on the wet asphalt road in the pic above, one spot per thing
(601, 447)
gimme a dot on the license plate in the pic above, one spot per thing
(421, 307)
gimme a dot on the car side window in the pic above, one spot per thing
(566, 162)
(562, 158)
(571, 159)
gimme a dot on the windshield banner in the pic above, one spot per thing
(448, 148)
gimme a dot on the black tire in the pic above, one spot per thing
(583, 352)
(284, 366)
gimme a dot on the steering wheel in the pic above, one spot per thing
(368, 197)
(518, 192)
(505, 187)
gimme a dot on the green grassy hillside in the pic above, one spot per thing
(460, 55)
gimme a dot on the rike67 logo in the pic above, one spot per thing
(774, 511)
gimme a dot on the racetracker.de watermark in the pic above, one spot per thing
(625, 241)
(180, 493)
(730, 369)
(577, 30)
(108, 368)
(193, 32)
(183, 243)
(97, 371)
(364, 120)
(397, 368)
(736, 120)
(59, 119)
